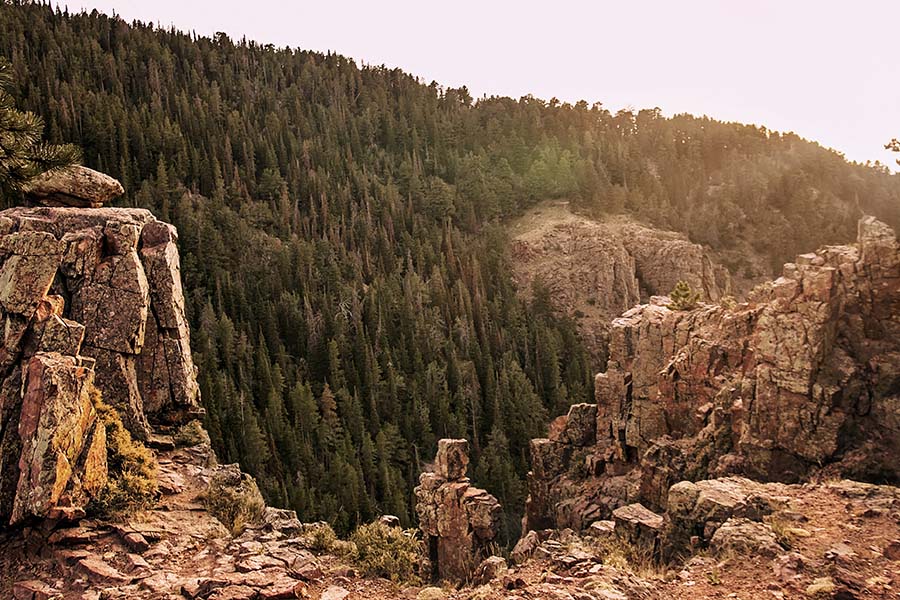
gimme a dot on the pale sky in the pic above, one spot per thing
(828, 70)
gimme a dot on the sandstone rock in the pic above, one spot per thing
(698, 509)
(137, 564)
(34, 590)
(99, 571)
(457, 519)
(452, 459)
(602, 529)
(73, 536)
(75, 186)
(743, 536)
(489, 569)
(525, 547)
(56, 334)
(284, 588)
(580, 425)
(135, 541)
(334, 592)
(115, 304)
(639, 527)
(283, 521)
(234, 592)
(116, 377)
(55, 426)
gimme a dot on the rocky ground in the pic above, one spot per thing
(836, 539)
(177, 549)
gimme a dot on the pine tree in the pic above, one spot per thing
(893, 146)
(23, 153)
(683, 297)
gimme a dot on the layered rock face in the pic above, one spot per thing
(457, 519)
(90, 298)
(596, 270)
(805, 376)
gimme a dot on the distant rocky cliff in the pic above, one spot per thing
(90, 297)
(803, 378)
(596, 270)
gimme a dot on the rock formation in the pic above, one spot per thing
(803, 377)
(90, 298)
(595, 270)
(75, 186)
(457, 519)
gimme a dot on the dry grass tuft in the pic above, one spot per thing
(389, 552)
(133, 470)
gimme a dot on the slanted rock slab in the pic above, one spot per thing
(76, 186)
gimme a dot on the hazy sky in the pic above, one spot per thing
(826, 69)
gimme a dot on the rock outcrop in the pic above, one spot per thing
(802, 378)
(74, 186)
(91, 299)
(596, 270)
(457, 519)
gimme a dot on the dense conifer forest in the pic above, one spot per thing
(343, 243)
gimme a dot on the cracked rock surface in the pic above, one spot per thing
(800, 381)
(88, 297)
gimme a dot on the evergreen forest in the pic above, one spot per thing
(343, 246)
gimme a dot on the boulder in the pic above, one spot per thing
(489, 569)
(639, 527)
(742, 537)
(452, 459)
(74, 186)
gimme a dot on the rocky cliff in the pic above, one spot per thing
(91, 300)
(804, 378)
(596, 270)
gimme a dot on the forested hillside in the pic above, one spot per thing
(343, 247)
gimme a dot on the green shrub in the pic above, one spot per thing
(389, 552)
(190, 434)
(322, 538)
(683, 297)
(234, 498)
(133, 471)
